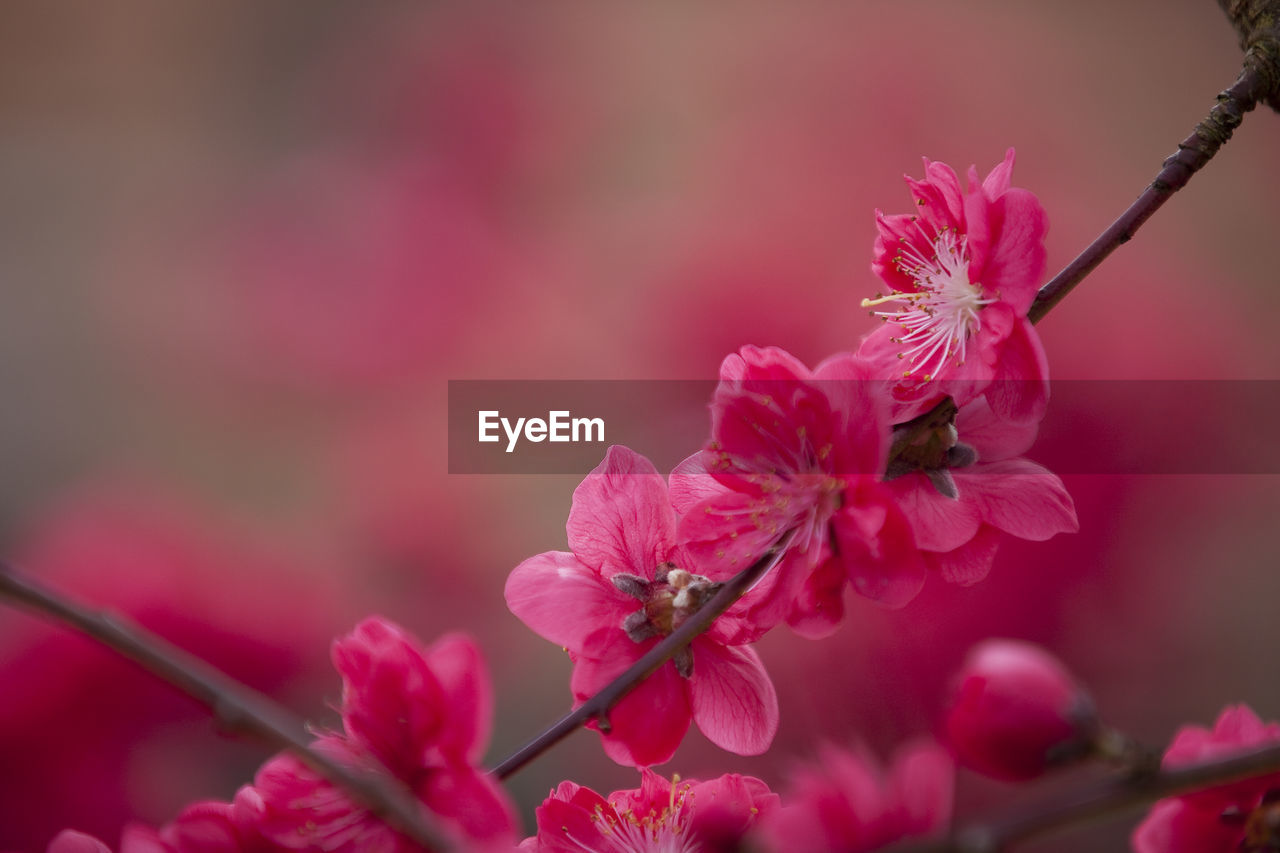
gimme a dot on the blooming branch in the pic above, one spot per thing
(236, 708)
(597, 707)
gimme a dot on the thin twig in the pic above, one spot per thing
(1257, 82)
(1098, 801)
(599, 705)
(236, 708)
(1193, 152)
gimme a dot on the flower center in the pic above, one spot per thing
(667, 601)
(656, 832)
(937, 317)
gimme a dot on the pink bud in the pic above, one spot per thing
(1017, 711)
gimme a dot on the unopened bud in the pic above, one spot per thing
(1017, 711)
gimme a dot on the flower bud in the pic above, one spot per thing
(1017, 711)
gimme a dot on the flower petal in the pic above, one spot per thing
(969, 563)
(563, 600)
(648, 723)
(877, 547)
(468, 697)
(621, 519)
(1019, 497)
(1020, 390)
(938, 522)
(734, 702)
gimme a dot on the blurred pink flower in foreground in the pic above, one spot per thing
(843, 801)
(988, 488)
(962, 274)
(207, 827)
(794, 449)
(1016, 711)
(1239, 816)
(163, 559)
(626, 584)
(658, 816)
(422, 715)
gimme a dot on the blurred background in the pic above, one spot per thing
(244, 246)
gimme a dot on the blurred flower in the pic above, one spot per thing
(843, 801)
(659, 816)
(625, 585)
(1242, 815)
(794, 449)
(89, 718)
(969, 483)
(1016, 711)
(422, 715)
(208, 827)
(964, 271)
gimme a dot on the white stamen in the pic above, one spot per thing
(937, 318)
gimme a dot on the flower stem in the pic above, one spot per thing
(599, 705)
(1097, 801)
(236, 708)
(1193, 152)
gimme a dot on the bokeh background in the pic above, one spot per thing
(244, 246)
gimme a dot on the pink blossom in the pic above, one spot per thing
(962, 272)
(1242, 815)
(801, 450)
(422, 715)
(1017, 711)
(843, 801)
(625, 585)
(659, 816)
(962, 486)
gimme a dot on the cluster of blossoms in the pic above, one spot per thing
(872, 471)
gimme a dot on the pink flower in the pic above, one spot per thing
(1239, 816)
(626, 584)
(420, 715)
(845, 802)
(659, 816)
(1016, 712)
(794, 449)
(962, 271)
(961, 486)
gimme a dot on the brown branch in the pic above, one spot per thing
(235, 707)
(599, 705)
(1098, 801)
(1253, 84)
(1258, 82)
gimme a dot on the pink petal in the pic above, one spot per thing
(70, 841)
(994, 438)
(969, 563)
(1175, 826)
(997, 181)
(391, 701)
(1020, 391)
(922, 784)
(1016, 261)
(563, 600)
(471, 804)
(468, 697)
(859, 399)
(734, 703)
(818, 608)
(1019, 497)
(938, 522)
(877, 547)
(650, 721)
(893, 230)
(691, 482)
(621, 519)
